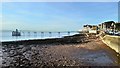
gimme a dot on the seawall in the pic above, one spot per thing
(112, 41)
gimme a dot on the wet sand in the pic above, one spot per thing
(92, 53)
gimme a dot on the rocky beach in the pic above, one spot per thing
(78, 50)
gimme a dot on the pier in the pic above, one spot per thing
(42, 33)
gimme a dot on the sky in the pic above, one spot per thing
(59, 0)
(56, 16)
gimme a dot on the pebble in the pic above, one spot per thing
(39, 56)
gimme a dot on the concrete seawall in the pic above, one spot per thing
(112, 41)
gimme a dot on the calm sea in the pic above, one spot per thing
(7, 35)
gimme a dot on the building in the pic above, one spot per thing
(117, 26)
(16, 33)
(90, 28)
(99, 26)
(86, 28)
(106, 26)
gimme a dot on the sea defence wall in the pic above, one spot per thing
(112, 41)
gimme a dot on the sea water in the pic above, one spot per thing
(7, 35)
